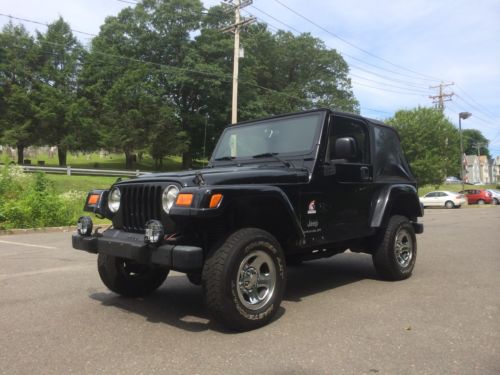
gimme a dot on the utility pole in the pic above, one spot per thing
(442, 97)
(235, 28)
(478, 146)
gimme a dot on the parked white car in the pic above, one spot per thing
(495, 194)
(448, 199)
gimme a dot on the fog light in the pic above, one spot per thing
(154, 231)
(84, 226)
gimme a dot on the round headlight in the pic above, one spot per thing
(168, 197)
(114, 200)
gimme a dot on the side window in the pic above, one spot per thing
(346, 127)
(442, 194)
(430, 195)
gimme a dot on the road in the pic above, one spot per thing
(337, 317)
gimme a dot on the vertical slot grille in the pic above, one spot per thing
(140, 203)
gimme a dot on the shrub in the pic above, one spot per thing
(30, 201)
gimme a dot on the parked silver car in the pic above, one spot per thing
(448, 199)
(495, 194)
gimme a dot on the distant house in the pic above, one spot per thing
(495, 170)
(481, 169)
(484, 170)
(472, 172)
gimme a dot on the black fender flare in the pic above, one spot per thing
(232, 194)
(384, 201)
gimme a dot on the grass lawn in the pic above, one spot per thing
(64, 183)
(110, 161)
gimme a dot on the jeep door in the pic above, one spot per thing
(348, 184)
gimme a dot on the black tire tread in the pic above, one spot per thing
(213, 279)
(383, 259)
(116, 282)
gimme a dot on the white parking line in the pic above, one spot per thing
(28, 245)
(46, 270)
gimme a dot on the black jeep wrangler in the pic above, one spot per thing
(277, 191)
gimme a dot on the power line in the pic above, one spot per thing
(492, 126)
(476, 108)
(226, 77)
(387, 84)
(43, 24)
(346, 54)
(426, 77)
(408, 91)
(475, 101)
(388, 90)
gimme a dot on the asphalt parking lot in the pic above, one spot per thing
(337, 317)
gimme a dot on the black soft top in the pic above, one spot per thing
(388, 160)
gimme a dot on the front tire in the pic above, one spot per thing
(395, 256)
(496, 201)
(129, 278)
(480, 202)
(244, 279)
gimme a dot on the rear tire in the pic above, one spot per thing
(449, 204)
(129, 278)
(395, 256)
(244, 279)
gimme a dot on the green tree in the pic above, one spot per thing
(189, 61)
(150, 42)
(17, 109)
(60, 60)
(430, 142)
(304, 72)
(472, 138)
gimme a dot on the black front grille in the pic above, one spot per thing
(140, 203)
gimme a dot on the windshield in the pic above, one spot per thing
(291, 135)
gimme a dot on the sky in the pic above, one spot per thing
(395, 49)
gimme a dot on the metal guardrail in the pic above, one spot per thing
(83, 171)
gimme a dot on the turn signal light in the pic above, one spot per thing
(215, 200)
(93, 199)
(184, 199)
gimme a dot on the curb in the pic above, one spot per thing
(71, 228)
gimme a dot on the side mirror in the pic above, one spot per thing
(345, 148)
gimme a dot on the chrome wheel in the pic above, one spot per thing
(403, 246)
(256, 280)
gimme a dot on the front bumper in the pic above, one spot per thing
(132, 246)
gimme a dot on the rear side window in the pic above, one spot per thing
(389, 162)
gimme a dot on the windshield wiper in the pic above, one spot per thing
(272, 155)
(225, 158)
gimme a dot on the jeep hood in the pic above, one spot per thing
(230, 175)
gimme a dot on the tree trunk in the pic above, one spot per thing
(61, 155)
(20, 154)
(129, 160)
(187, 160)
